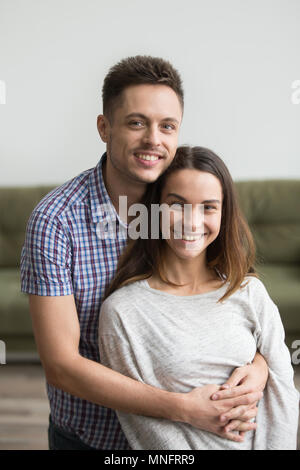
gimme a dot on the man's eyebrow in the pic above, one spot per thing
(207, 201)
(142, 116)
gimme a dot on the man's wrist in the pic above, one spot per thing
(176, 407)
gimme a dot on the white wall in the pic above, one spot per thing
(238, 60)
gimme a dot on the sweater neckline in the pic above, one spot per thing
(144, 284)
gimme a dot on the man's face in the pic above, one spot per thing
(142, 136)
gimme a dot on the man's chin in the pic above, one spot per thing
(150, 177)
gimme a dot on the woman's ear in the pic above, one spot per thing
(103, 127)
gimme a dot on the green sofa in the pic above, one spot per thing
(271, 208)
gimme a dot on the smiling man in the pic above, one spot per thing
(66, 266)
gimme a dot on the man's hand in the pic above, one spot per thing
(204, 413)
(243, 381)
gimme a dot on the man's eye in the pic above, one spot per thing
(169, 127)
(136, 123)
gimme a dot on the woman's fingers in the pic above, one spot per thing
(237, 425)
(237, 375)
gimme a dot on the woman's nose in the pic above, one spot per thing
(194, 218)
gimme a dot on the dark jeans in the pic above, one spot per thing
(59, 439)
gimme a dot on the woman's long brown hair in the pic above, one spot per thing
(231, 254)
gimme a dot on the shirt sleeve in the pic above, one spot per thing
(46, 257)
(277, 418)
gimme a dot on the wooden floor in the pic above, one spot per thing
(24, 408)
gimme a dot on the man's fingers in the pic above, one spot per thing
(249, 414)
(234, 413)
(232, 436)
(243, 413)
(231, 392)
(237, 425)
(247, 399)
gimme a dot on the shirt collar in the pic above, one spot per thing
(102, 208)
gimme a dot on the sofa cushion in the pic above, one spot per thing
(16, 205)
(282, 282)
(270, 208)
(14, 312)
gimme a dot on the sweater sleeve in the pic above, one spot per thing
(277, 419)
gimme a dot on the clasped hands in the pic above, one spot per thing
(228, 410)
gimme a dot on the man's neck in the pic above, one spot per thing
(116, 186)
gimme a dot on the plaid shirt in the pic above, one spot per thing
(63, 254)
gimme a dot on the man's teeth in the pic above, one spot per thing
(147, 157)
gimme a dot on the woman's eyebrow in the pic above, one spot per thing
(203, 202)
(216, 201)
(176, 195)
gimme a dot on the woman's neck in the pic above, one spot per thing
(193, 274)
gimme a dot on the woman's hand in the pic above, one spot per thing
(243, 381)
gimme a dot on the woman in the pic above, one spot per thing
(191, 301)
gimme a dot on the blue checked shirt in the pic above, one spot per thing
(69, 249)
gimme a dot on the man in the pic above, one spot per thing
(66, 266)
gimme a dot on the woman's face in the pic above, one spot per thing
(195, 215)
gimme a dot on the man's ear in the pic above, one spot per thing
(103, 127)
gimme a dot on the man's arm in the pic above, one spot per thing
(57, 333)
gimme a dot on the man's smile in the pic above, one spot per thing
(147, 158)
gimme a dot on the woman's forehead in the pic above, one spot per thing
(190, 182)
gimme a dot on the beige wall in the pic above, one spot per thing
(238, 58)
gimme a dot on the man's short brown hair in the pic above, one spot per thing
(138, 70)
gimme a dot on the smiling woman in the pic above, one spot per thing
(183, 312)
(197, 178)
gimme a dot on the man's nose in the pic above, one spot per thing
(152, 136)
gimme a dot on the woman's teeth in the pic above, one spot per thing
(191, 239)
(147, 157)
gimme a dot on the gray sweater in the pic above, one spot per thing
(177, 343)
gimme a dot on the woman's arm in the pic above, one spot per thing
(277, 419)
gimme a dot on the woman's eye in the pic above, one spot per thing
(209, 207)
(177, 205)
